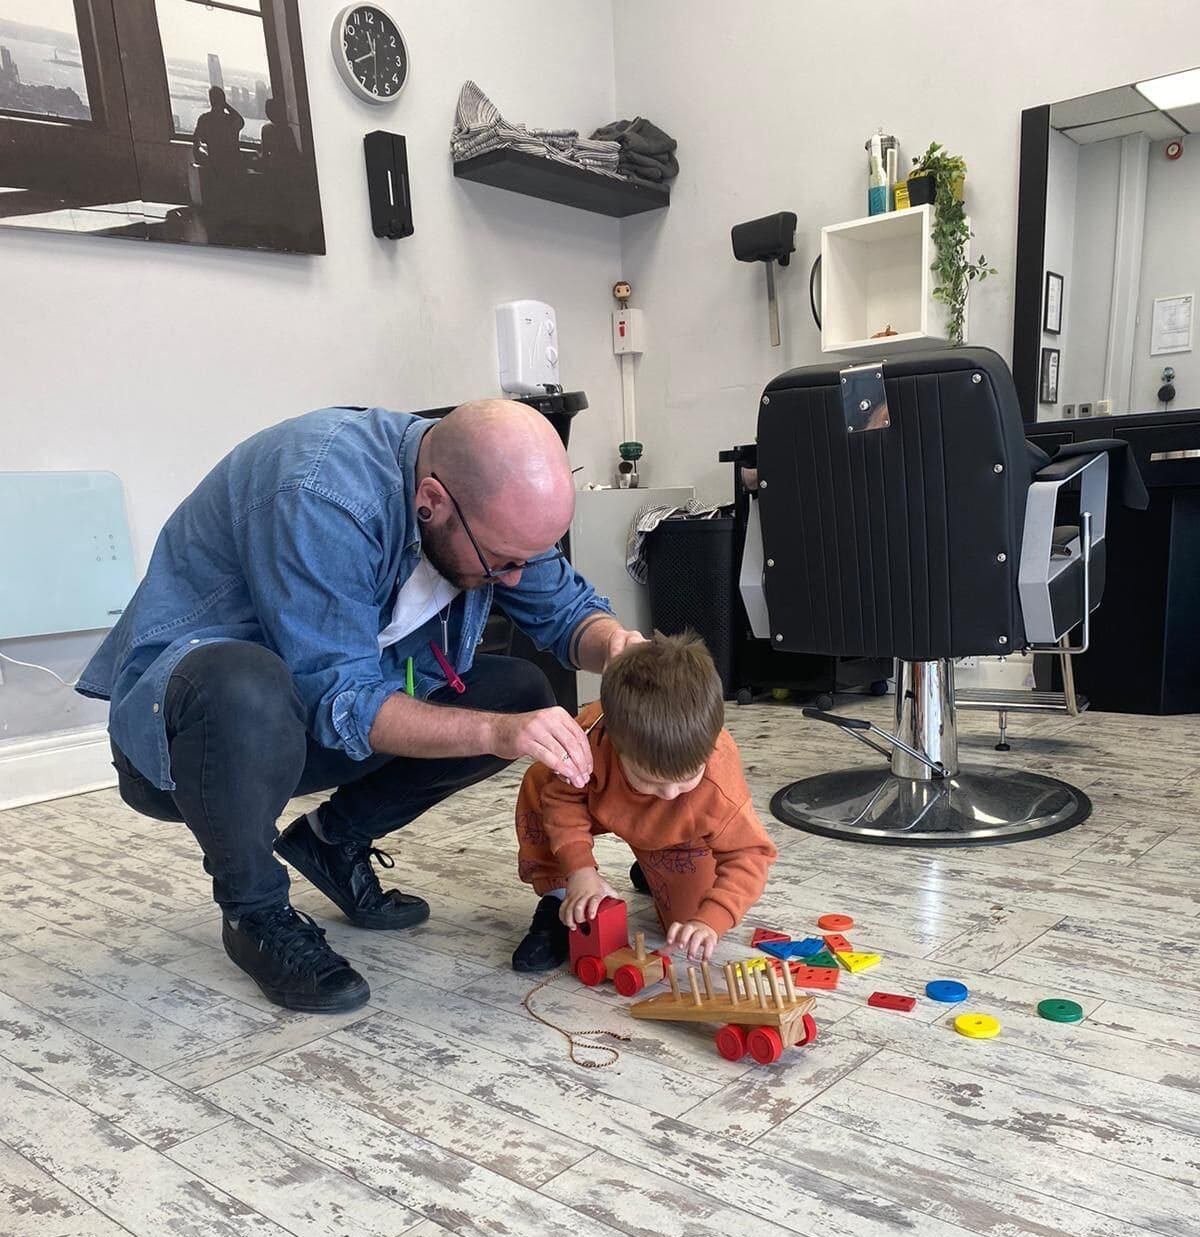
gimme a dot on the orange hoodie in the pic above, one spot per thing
(718, 814)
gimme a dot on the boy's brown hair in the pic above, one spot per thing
(663, 704)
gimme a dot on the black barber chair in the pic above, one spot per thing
(901, 517)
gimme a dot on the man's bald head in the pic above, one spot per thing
(508, 470)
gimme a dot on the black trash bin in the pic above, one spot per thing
(692, 580)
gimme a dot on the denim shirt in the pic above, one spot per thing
(298, 541)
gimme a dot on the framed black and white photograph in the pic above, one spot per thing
(1049, 390)
(1053, 315)
(166, 120)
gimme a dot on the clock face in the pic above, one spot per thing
(370, 53)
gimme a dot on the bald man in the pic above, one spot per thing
(320, 568)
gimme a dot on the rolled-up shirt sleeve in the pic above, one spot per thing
(548, 603)
(311, 569)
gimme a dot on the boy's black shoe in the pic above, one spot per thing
(286, 955)
(342, 871)
(638, 877)
(546, 944)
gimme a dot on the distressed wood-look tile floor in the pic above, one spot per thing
(146, 1089)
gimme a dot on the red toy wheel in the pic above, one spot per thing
(628, 980)
(591, 971)
(810, 1030)
(765, 1045)
(731, 1042)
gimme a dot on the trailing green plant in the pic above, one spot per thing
(950, 235)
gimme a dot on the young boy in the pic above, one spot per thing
(666, 779)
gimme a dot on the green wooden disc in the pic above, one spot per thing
(1058, 1010)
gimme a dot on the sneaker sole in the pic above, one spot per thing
(536, 970)
(357, 918)
(352, 999)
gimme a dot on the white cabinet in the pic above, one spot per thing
(598, 537)
(876, 274)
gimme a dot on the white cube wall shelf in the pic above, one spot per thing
(875, 274)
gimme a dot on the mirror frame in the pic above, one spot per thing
(1031, 258)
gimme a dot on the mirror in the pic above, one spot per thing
(1108, 252)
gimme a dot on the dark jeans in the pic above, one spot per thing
(240, 750)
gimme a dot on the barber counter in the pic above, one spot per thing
(1144, 655)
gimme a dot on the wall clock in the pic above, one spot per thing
(370, 52)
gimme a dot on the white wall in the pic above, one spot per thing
(1089, 293)
(1062, 172)
(771, 103)
(1170, 267)
(153, 360)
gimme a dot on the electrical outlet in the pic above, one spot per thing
(1068, 411)
(1085, 410)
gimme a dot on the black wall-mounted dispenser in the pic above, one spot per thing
(387, 184)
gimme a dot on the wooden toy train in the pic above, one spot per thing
(600, 950)
(760, 1010)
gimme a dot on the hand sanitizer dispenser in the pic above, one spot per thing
(527, 343)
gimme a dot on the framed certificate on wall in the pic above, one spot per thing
(1052, 314)
(1049, 387)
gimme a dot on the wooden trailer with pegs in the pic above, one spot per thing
(761, 1012)
(600, 950)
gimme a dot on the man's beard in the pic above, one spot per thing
(433, 546)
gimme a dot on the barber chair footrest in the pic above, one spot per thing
(1015, 700)
(973, 808)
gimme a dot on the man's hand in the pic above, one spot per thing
(550, 736)
(586, 889)
(619, 640)
(697, 939)
(598, 639)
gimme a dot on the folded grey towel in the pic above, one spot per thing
(657, 167)
(639, 134)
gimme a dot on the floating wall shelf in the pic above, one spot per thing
(554, 181)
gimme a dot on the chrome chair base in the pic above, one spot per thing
(979, 808)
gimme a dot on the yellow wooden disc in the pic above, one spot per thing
(977, 1026)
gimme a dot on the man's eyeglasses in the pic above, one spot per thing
(495, 573)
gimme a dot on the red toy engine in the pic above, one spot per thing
(600, 949)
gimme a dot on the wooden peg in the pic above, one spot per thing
(762, 992)
(776, 995)
(789, 984)
(696, 997)
(669, 967)
(708, 988)
(731, 983)
(639, 945)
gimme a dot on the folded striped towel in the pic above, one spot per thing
(646, 521)
(479, 127)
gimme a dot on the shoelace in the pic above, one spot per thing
(357, 855)
(297, 941)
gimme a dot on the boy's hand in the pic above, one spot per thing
(694, 937)
(586, 889)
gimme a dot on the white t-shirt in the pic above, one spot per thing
(421, 596)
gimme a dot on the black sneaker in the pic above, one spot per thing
(546, 943)
(285, 953)
(638, 878)
(342, 871)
